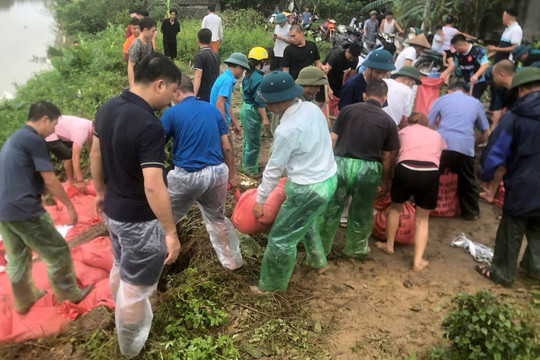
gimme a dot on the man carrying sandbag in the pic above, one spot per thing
(366, 143)
(455, 115)
(303, 147)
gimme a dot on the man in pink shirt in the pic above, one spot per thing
(66, 143)
(416, 173)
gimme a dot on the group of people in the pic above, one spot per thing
(377, 141)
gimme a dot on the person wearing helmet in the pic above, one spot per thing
(253, 112)
(409, 54)
(401, 95)
(303, 147)
(221, 93)
(310, 78)
(281, 40)
(526, 55)
(378, 66)
(365, 142)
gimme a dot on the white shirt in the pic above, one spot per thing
(449, 33)
(213, 22)
(400, 100)
(280, 45)
(513, 34)
(437, 43)
(408, 53)
(302, 146)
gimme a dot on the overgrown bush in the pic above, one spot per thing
(480, 327)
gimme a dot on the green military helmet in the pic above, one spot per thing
(410, 72)
(278, 86)
(311, 76)
(238, 58)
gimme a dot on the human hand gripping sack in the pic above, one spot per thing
(173, 248)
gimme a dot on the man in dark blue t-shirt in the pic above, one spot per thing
(25, 170)
(200, 147)
(127, 162)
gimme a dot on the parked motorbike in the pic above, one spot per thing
(325, 33)
(347, 35)
(429, 61)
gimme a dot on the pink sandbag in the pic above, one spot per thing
(427, 93)
(243, 218)
(382, 201)
(406, 229)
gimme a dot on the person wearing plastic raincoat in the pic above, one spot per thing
(203, 166)
(25, 169)
(128, 162)
(303, 147)
(252, 112)
(366, 143)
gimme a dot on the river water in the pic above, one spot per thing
(27, 29)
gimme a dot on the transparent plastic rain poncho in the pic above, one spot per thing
(297, 220)
(252, 125)
(133, 313)
(360, 179)
(40, 235)
(139, 251)
(208, 188)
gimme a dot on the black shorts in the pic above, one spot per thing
(449, 54)
(423, 184)
(60, 149)
(320, 97)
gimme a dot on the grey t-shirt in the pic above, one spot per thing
(22, 157)
(138, 50)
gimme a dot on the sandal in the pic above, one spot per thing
(485, 271)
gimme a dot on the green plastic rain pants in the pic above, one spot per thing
(252, 125)
(359, 179)
(298, 219)
(39, 235)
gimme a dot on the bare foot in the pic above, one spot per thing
(421, 265)
(384, 247)
(486, 197)
(258, 291)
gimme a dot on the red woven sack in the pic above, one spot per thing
(382, 201)
(273, 203)
(406, 229)
(447, 200)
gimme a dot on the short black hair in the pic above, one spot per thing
(458, 85)
(389, 13)
(173, 10)
(376, 88)
(506, 66)
(438, 27)
(449, 19)
(147, 23)
(297, 28)
(134, 21)
(511, 11)
(458, 38)
(205, 36)
(41, 109)
(212, 8)
(156, 66)
(355, 49)
(143, 12)
(185, 85)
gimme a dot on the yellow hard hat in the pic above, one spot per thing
(258, 53)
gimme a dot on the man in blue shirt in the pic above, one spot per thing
(25, 170)
(221, 93)
(203, 165)
(455, 116)
(306, 18)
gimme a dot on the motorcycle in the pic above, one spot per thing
(325, 33)
(347, 35)
(428, 62)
